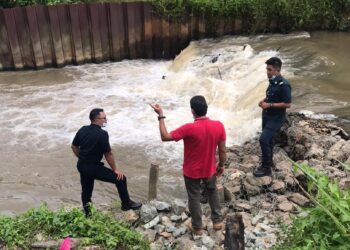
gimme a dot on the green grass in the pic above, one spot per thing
(327, 225)
(101, 229)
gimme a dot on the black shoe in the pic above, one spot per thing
(131, 205)
(262, 171)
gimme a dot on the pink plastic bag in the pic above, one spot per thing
(65, 244)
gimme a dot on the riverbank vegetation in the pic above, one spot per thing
(290, 14)
(42, 223)
(326, 225)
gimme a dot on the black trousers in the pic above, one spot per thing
(89, 173)
(270, 127)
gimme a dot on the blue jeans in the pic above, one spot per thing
(270, 128)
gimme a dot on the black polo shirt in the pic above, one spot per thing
(279, 90)
(93, 142)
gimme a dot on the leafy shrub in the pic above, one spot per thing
(101, 228)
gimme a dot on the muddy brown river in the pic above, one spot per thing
(41, 110)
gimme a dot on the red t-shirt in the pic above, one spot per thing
(201, 139)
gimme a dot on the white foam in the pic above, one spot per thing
(313, 115)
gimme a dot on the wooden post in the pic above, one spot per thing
(153, 179)
(234, 236)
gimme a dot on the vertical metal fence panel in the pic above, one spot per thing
(66, 32)
(147, 13)
(157, 36)
(131, 9)
(56, 35)
(104, 32)
(139, 30)
(85, 31)
(166, 37)
(95, 32)
(77, 46)
(184, 34)
(24, 38)
(35, 36)
(13, 39)
(45, 35)
(6, 60)
(117, 30)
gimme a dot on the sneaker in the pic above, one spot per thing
(131, 205)
(262, 171)
(218, 226)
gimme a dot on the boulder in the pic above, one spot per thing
(148, 213)
(208, 242)
(161, 206)
(179, 231)
(339, 151)
(152, 223)
(286, 206)
(315, 152)
(278, 186)
(299, 199)
(178, 206)
(130, 216)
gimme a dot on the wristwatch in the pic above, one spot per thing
(161, 117)
(270, 104)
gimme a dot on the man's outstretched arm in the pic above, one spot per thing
(164, 134)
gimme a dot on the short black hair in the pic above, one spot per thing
(199, 105)
(274, 62)
(95, 113)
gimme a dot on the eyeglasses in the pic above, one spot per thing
(102, 118)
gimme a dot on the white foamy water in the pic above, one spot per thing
(231, 77)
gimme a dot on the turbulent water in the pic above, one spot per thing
(41, 110)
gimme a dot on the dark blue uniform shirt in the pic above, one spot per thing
(279, 90)
(93, 142)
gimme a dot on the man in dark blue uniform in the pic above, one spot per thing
(278, 99)
(90, 144)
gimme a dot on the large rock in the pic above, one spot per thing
(179, 231)
(297, 135)
(152, 223)
(130, 216)
(208, 242)
(150, 235)
(185, 244)
(339, 151)
(250, 189)
(262, 181)
(286, 206)
(161, 206)
(284, 166)
(315, 152)
(251, 159)
(278, 186)
(299, 199)
(178, 206)
(148, 213)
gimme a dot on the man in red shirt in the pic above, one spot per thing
(201, 139)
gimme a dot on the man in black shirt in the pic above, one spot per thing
(278, 99)
(89, 145)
